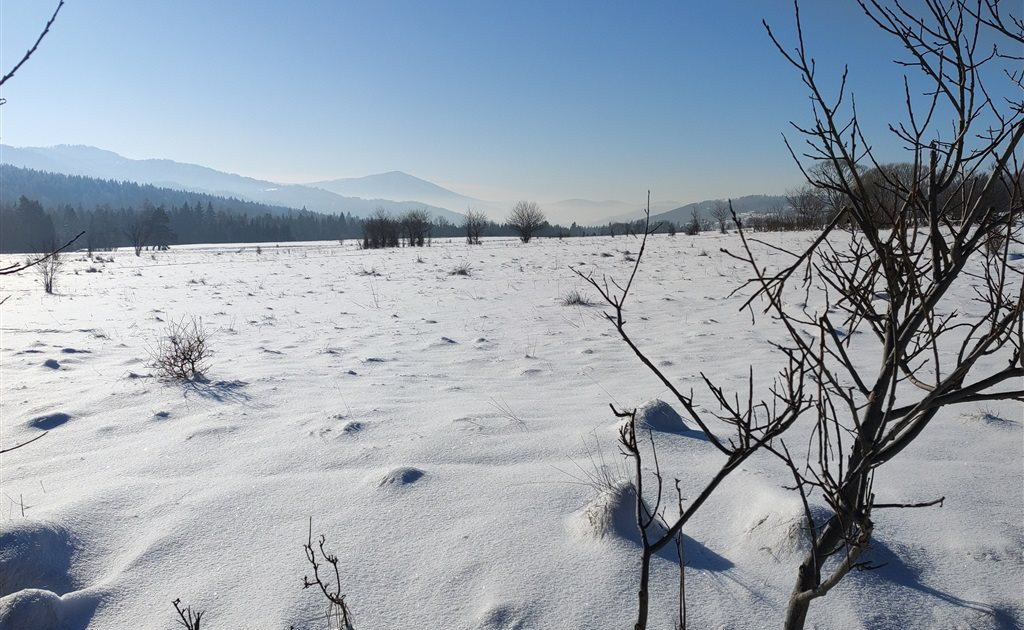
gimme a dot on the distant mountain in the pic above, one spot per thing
(741, 205)
(590, 212)
(57, 190)
(98, 163)
(397, 186)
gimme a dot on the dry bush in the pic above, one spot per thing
(184, 350)
(462, 269)
(49, 269)
(188, 619)
(338, 615)
(575, 298)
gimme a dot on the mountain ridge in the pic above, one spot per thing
(100, 163)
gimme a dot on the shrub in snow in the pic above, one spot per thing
(575, 298)
(48, 271)
(462, 269)
(183, 351)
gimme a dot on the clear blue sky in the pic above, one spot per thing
(498, 100)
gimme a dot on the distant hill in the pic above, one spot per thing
(590, 212)
(397, 186)
(741, 205)
(56, 190)
(98, 163)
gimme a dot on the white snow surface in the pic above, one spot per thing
(450, 436)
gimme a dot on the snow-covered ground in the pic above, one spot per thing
(328, 381)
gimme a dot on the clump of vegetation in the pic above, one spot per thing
(575, 298)
(338, 615)
(49, 269)
(462, 269)
(183, 352)
(188, 619)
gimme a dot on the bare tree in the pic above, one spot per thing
(693, 227)
(751, 425)
(807, 206)
(381, 230)
(526, 219)
(415, 224)
(927, 348)
(720, 213)
(138, 233)
(474, 225)
(49, 268)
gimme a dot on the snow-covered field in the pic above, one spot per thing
(329, 381)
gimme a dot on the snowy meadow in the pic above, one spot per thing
(441, 415)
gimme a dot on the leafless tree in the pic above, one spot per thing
(138, 234)
(381, 230)
(19, 267)
(526, 219)
(693, 227)
(892, 275)
(49, 268)
(720, 213)
(807, 206)
(750, 425)
(416, 227)
(474, 225)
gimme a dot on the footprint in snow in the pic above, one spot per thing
(53, 364)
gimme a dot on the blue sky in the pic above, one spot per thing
(543, 100)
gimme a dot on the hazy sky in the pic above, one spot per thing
(498, 100)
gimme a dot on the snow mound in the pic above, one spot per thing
(352, 426)
(771, 524)
(31, 609)
(658, 415)
(502, 617)
(611, 512)
(402, 476)
(989, 419)
(34, 555)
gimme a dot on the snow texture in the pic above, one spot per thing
(437, 428)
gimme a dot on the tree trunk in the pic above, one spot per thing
(645, 573)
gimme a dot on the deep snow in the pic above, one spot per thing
(444, 432)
